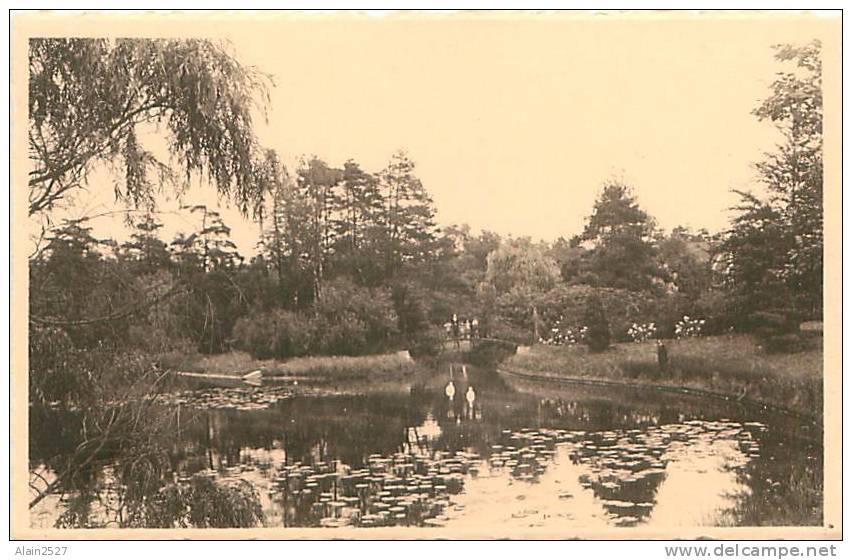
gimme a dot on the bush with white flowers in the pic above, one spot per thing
(640, 332)
(561, 335)
(688, 327)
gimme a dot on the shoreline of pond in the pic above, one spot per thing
(663, 388)
(728, 367)
(238, 363)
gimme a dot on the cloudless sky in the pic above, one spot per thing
(515, 122)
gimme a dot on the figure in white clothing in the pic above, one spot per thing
(470, 396)
(450, 390)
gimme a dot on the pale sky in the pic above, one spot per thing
(514, 124)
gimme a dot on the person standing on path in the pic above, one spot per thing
(456, 330)
(662, 357)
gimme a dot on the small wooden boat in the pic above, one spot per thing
(251, 378)
(255, 375)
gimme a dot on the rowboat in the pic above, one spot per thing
(251, 378)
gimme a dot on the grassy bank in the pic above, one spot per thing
(730, 364)
(331, 367)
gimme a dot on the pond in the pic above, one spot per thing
(497, 451)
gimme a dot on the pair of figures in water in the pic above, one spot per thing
(469, 396)
(467, 405)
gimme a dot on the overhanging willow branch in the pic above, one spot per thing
(116, 316)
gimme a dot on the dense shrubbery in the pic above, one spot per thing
(276, 333)
(665, 312)
(489, 353)
(563, 309)
(52, 375)
(427, 343)
(777, 331)
(352, 320)
(505, 330)
(631, 316)
(201, 504)
(718, 311)
(567, 305)
(63, 373)
(411, 306)
(212, 505)
(349, 320)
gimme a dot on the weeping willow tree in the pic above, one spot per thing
(96, 103)
(89, 100)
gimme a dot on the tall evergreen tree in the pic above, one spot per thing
(408, 216)
(211, 244)
(319, 184)
(751, 257)
(623, 254)
(359, 207)
(357, 225)
(289, 241)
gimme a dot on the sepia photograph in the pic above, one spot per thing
(421, 275)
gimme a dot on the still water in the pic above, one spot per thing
(471, 448)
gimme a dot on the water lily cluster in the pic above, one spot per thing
(688, 327)
(640, 332)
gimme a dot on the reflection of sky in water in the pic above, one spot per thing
(696, 483)
(428, 431)
(700, 485)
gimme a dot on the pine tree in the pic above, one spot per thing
(319, 184)
(409, 215)
(623, 253)
(357, 224)
(288, 241)
(210, 247)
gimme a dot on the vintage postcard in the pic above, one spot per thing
(416, 275)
